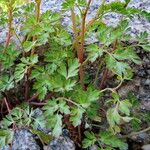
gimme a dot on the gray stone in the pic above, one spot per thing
(94, 147)
(146, 147)
(62, 143)
(147, 82)
(6, 148)
(24, 140)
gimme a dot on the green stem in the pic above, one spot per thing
(113, 89)
(70, 101)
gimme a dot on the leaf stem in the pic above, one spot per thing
(98, 15)
(136, 133)
(6, 103)
(113, 89)
(70, 101)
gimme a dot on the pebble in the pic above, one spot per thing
(138, 24)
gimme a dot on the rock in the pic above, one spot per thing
(145, 105)
(6, 148)
(141, 73)
(46, 148)
(146, 147)
(143, 137)
(61, 143)
(37, 113)
(24, 140)
(147, 82)
(94, 147)
(138, 24)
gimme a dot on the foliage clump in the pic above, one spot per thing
(48, 70)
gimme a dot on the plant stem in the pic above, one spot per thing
(104, 78)
(10, 21)
(97, 72)
(80, 51)
(98, 15)
(136, 133)
(106, 71)
(74, 28)
(77, 47)
(38, 5)
(113, 89)
(6, 103)
(70, 101)
(27, 82)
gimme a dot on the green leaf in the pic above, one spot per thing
(76, 116)
(120, 7)
(73, 68)
(8, 57)
(63, 38)
(22, 117)
(82, 3)
(6, 137)
(63, 107)
(60, 84)
(113, 116)
(50, 108)
(92, 94)
(42, 39)
(92, 112)
(127, 119)
(124, 107)
(94, 52)
(146, 48)
(6, 83)
(68, 4)
(85, 98)
(57, 131)
(39, 121)
(20, 71)
(89, 140)
(127, 54)
(46, 138)
(69, 70)
(112, 140)
(127, 1)
(120, 68)
(28, 45)
(42, 85)
(143, 36)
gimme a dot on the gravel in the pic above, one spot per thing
(138, 24)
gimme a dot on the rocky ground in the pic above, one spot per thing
(25, 140)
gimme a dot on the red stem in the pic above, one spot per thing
(106, 71)
(10, 17)
(80, 51)
(7, 105)
(104, 78)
